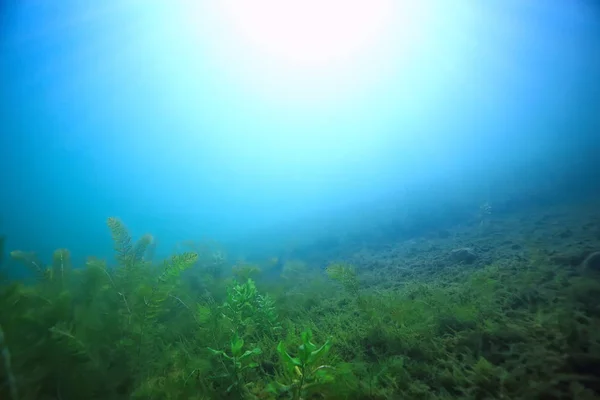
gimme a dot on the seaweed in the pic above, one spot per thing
(305, 373)
(239, 362)
(7, 367)
(177, 328)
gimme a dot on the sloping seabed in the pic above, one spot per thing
(508, 308)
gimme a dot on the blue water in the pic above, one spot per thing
(125, 109)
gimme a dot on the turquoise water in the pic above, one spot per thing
(286, 138)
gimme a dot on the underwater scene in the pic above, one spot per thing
(269, 199)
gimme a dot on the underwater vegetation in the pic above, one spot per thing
(193, 327)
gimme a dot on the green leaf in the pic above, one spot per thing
(289, 361)
(139, 249)
(219, 353)
(255, 351)
(236, 345)
(321, 352)
(61, 266)
(306, 336)
(277, 388)
(177, 264)
(203, 313)
(215, 352)
(304, 353)
(121, 240)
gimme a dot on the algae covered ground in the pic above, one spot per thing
(505, 308)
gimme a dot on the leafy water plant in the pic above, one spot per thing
(237, 363)
(244, 272)
(250, 313)
(133, 329)
(6, 364)
(346, 275)
(305, 372)
(53, 278)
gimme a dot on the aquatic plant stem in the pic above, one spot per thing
(10, 377)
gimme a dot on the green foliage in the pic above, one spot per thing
(345, 275)
(134, 329)
(143, 298)
(238, 362)
(53, 280)
(7, 367)
(267, 315)
(128, 254)
(60, 271)
(250, 313)
(96, 325)
(245, 271)
(305, 373)
(33, 263)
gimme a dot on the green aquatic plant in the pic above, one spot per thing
(250, 313)
(241, 305)
(305, 373)
(60, 271)
(33, 263)
(7, 367)
(97, 330)
(52, 279)
(73, 346)
(128, 302)
(151, 297)
(128, 254)
(345, 275)
(133, 278)
(244, 272)
(237, 363)
(267, 315)
(134, 329)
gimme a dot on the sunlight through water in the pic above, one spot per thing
(309, 51)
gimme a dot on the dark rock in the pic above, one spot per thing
(465, 255)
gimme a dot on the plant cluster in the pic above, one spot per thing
(141, 329)
(251, 313)
(239, 362)
(304, 373)
(346, 275)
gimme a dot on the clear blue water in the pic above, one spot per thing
(131, 109)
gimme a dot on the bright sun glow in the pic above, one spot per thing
(308, 50)
(309, 33)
